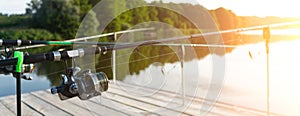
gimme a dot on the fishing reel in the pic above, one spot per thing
(83, 84)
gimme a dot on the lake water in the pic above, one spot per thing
(8, 84)
(244, 77)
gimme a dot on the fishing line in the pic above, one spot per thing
(134, 52)
(211, 33)
(137, 52)
(167, 54)
(103, 67)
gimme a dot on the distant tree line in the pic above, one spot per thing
(61, 19)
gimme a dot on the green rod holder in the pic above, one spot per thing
(20, 56)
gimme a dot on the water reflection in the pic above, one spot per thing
(245, 76)
(8, 84)
(51, 70)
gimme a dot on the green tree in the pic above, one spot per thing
(226, 19)
(111, 9)
(94, 2)
(139, 14)
(152, 12)
(84, 7)
(31, 34)
(33, 6)
(58, 16)
(88, 26)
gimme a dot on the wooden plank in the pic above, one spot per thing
(193, 108)
(65, 105)
(160, 105)
(92, 108)
(219, 106)
(99, 109)
(118, 102)
(10, 103)
(42, 106)
(174, 102)
(149, 107)
(5, 111)
(84, 109)
(103, 100)
(196, 105)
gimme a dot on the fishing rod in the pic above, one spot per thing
(8, 42)
(65, 55)
(38, 43)
(28, 43)
(53, 43)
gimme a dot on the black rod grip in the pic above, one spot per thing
(6, 62)
(35, 58)
(8, 42)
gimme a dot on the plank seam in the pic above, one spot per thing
(76, 105)
(215, 113)
(132, 106)
(7, 107)
(109, 107)
(51, 104)
(73, 104)
(247, 109)
(172, 102)
(86, 108)
(33, 108)
(150, 103)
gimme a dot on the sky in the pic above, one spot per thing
(261, 8)
(13, 6)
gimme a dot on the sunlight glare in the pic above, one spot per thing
(261, 8)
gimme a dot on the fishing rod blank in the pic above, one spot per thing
(65, 55)
(30, 43)
(73, 41)
(7, 42)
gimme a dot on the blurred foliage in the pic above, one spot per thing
(89, 26)
(60, 20)
(14, 21)
(31, 34)
(58, 16)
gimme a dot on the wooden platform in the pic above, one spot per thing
(117, 102)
